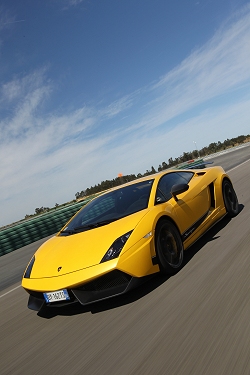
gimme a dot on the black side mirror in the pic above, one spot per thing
(178, 189)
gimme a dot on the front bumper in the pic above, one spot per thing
(109, 285)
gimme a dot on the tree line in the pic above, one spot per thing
(205, 151)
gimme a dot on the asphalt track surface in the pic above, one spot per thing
(196, 322)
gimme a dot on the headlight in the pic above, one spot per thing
(29, 268)
(116, 247)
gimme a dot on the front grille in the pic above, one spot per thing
(110, 280)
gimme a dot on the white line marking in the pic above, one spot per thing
(10, 291)
(244, 162)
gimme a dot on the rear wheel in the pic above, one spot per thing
(230, 198)
(169, 247)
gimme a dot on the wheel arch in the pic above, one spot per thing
(165, 218)
(218, 183)
(226, 178)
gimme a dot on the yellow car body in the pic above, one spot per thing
(87, 264)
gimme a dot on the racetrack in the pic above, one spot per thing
(196, 322)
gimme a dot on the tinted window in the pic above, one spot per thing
(163, 192)
(116, 204)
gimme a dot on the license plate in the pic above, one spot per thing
(59, 295)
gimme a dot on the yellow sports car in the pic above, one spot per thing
(129, 232)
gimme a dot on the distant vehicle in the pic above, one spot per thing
(131, 231)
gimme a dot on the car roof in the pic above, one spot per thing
(155, 176)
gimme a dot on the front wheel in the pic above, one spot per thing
(169, 247)
(230, 198)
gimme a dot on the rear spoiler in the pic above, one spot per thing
(193, 164)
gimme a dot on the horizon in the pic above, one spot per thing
(76, 200)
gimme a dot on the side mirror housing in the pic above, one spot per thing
(178, 189)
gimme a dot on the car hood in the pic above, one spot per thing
(65, 254)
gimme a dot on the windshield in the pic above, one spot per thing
(110, 207)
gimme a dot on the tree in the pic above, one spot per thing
(164, 165)
(170, 162)
(195, 154)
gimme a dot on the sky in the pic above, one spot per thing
(92, 88)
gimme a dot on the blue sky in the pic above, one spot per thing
(93, 88)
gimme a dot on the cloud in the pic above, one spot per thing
(72, 3)
(221, 66)
(20, 99)
(117, 106)
(6, 19)
(211, 74)
(75, 2)
(47, 157)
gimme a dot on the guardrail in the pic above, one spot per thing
(26, 232)
(192, 164)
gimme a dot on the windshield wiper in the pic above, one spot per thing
(88, 226)
(68, 231)
(95, 225)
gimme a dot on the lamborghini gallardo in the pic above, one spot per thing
(131, 231)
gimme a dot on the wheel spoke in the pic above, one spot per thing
(169, 247)
(230, 199)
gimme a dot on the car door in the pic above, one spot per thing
(191, 207)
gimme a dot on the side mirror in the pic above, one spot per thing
(178, 189)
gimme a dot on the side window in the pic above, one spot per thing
(163, 192)
(185, 177)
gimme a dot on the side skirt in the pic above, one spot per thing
(216, 222)
(195, 226)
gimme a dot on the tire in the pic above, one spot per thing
(169, 248)
(230, 199)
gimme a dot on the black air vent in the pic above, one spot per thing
(110, 280)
